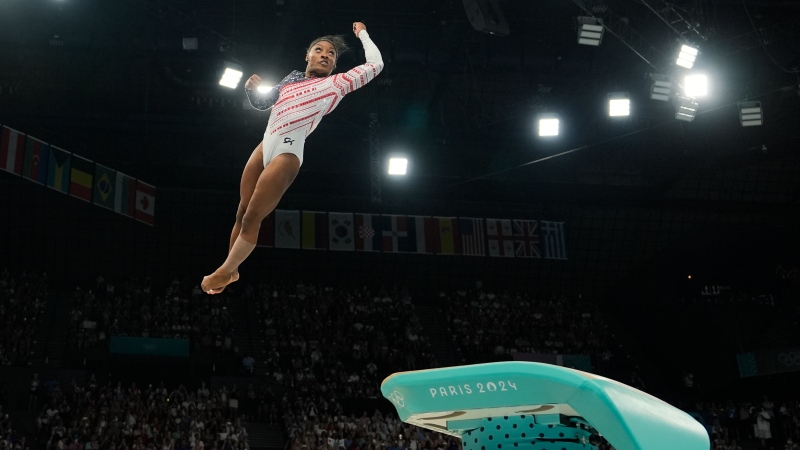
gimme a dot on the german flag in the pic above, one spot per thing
(81, 176)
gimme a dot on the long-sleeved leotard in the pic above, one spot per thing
(298, 104)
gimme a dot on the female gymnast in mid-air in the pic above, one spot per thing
(298, 104)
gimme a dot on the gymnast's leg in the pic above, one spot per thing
(270, 186)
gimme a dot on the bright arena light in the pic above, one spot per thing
(687, 56)
(398, 166)
(264, 88)
(231, 77)
(548, 126)
(695, 85)
(619, 106)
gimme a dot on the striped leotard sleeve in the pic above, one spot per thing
(360, 75)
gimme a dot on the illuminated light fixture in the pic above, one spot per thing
(661, 89)
(685, 108)
(695, 85)
(264, 88)
(398, 166)
(590, 31)
(750, 114)
(231, 76)
(548, 125)
(687, 56)
(619, 105)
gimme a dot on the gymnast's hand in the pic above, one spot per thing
(253, 83)
(357, 27)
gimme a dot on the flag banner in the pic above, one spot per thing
(11, 150)
(341, 231)
(553, 236)
(368, 232)
(431, 234)
(422, 238)
(315, 230)
(500, 237)
(287, 229)
(58, 169)
(526, 238)
(395, 233)
(145, 203)
(266, 234)
(124, 194)
(34, 166)
(80, 180)
(473, 237)
(104, 184)
(449, 241)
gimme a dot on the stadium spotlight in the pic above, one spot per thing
(398, 166)
(685, 108)
(750, 114)
(231, 76)
(547, 125)
(695, 85)
(619, 104)
(661, 89)
(687, 56)
(590, 31)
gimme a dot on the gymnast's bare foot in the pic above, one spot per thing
(217, 281)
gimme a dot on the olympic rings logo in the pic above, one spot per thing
(789, 359)
(397, 399)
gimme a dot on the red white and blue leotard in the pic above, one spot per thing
(298, 104)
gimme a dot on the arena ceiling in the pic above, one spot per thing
(112, 82)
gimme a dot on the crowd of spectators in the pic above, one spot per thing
(23, 298)
(321, 339)
(134, 308)
(10, 436)
(111, 416)
(488, 326)
(318, 424)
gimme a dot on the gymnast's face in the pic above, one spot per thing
(321, 59)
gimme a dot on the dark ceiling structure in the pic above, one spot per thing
(111, 81)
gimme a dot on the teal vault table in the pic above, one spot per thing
(535, 406)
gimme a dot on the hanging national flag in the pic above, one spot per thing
(34, 166)
(145, 203)
(445, 237)
(80, 180)
(315, 230)
(553, 235)
(368, 232)
(526, 238)
(266, 234)
(500, 237)
(104, 183)
(124, 194)
(11, 150)
(395, 233)
(473, 238)
(58, 169)
(422, 235)
(341, 230)
(287, 229)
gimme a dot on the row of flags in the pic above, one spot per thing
(510, 238)
(76, 176)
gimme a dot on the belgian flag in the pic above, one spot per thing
(81, 176)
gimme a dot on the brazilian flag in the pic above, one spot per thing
(104, 182)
